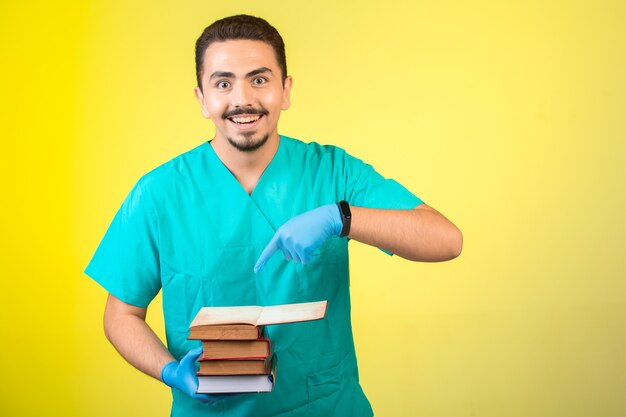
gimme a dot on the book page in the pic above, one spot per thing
(257, 316)
(291, 313)
(227, 315)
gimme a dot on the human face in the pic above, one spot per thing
(243, 92)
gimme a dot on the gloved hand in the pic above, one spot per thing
(182, 375)
(299, 237)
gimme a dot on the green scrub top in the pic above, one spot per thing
(189, 228)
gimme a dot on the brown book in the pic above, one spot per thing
(235, 349)
(234, 367)
(225, 332)
(218, 384)
(239, 383)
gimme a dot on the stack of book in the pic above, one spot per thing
(236, 356)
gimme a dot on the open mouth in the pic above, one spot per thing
(246, 119)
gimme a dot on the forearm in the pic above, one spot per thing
(420, 234)
(131, 336)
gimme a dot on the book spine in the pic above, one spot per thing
(226, 356)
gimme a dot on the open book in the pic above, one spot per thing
(260, 316)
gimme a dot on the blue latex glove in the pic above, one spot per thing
(301, 236)
(182, 375)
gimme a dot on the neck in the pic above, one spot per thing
(246, 167)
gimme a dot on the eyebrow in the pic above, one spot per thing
(227, 74)
(258, 71)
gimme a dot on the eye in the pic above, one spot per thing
(222, 84)
(259, 81)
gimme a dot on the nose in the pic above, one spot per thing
(242, 95)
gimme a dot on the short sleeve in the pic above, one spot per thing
(367, 188)
(126, 262)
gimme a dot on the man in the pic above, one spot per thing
(204, 229)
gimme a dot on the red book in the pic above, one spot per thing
(234, 367)
(225, 331)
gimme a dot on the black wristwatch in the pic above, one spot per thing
(346, 218)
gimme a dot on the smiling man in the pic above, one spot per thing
(260, 93)
(207, 229)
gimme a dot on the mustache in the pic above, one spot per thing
(247, 110)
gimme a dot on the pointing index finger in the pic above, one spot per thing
(266, 255)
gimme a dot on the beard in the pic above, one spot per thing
(248, 143)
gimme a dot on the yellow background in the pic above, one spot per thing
(507, 117)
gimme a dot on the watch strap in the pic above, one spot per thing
(346, 218)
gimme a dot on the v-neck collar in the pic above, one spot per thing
(226, 173)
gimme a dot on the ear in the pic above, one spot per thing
(200, 98)
(287, 93)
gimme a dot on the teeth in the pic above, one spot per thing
(246, 119)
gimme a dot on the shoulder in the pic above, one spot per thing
(313, 150)
(324, 157)
(177, 170)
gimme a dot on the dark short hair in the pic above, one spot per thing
(240, 27)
